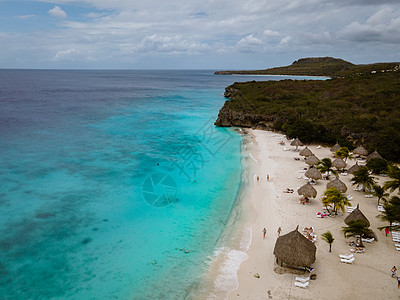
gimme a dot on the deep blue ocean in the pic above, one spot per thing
(113, 184)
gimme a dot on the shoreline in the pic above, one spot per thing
(263, 204)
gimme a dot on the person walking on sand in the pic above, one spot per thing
(394, 270)
(398, 281)
(386, 231)
(267, 177)
(264, 232)
(279, 231)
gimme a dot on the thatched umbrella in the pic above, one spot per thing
(360, 150)
(354, 168)
(356, 215)
(294, 249)
(307, 190)
(336, 147)
(374, 154)
(313, 173)
(339, 163)
(296, 143)
(337, 184)
(312, 160)
(306, 152)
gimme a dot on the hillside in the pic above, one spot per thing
(352, 110)
(317, 66)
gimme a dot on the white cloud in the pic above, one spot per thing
(57, 12)
(271, 33)
(24, 17)
(66, 54)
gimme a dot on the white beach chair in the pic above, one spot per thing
(349, 197)
(347, 261)
(368, 196)
(318, 147)
(346, 256)
(303, 279)
(380, 208)
(368, 240)
(301, 285)
(300, 177)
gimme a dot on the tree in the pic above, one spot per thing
(333, 197)
(325, 165)
(392, 185)
(362, 177)
(377, 165)
(391, 212)
(379, 192)
(358, 228)
(343, 153)
(328, 237)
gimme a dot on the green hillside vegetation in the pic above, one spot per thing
(318, 66)
(352, 110)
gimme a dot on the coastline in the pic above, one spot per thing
(263, 204)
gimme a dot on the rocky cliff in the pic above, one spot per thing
(228, 117)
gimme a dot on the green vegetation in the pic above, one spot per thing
(358, 228)
(379, 192)
(362, 177)
(356, 109)
(394, 184)
(391, 213)
(378, 165)
(325, 165)
(332, 197)
(318, 66)
(328, 237)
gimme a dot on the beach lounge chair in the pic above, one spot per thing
(346, 256)
(368, 196)
(380, 208)
(347, 261)
(303, 279)
(368, 240)
(301, 285)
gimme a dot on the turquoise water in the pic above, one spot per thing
(114, 184)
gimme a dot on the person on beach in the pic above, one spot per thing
(386, 231)
(258, 178)
(264, 232)
(398, 281)
(394, 270)
(279, 231)
(268, 177)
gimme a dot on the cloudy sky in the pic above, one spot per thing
(213, 34)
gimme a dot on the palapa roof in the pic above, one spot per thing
(360, 150)
(356, 214)
(339, 163)
(296, 142)
(374, 154)
(307, 190)
(295, 249)
(305, 152)
(336, 147)
(313, 173)
(337, 184)
(312, 160)
(354, 168)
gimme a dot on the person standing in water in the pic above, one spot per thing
(264, 232)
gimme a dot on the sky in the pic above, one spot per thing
(201, 34)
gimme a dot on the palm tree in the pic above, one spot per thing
(333, 197)
(391, 212)
(362, 177)
(328, 237)
(379, 192)
(394, 173)
(358, 228)
(343, 153)
(325, 165)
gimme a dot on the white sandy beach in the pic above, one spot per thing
(264, 204)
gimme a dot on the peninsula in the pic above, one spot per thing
(360, 107)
